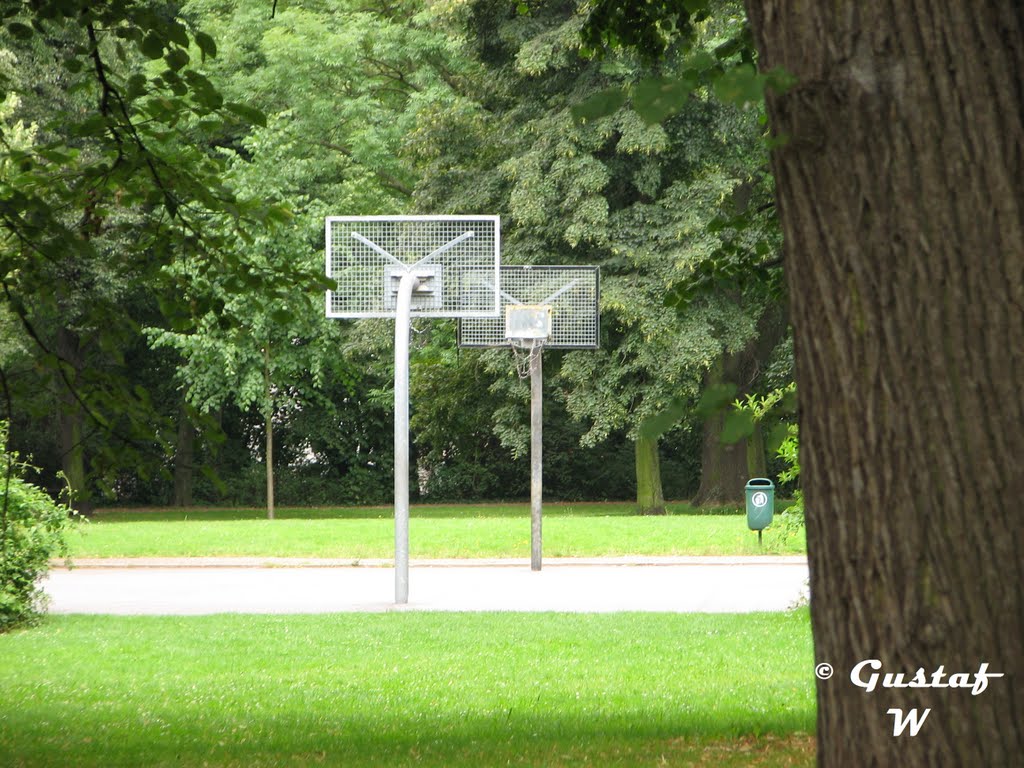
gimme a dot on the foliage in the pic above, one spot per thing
(355, 108)
(612, 190)
(671, 29)
(33, 529)
(115, 181)
(778, 405)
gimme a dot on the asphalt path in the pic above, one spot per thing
(683, 585)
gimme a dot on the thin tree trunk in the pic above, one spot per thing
(71, 422)
(757, 460)
(184, 460)
(650, 499)
(900, 191)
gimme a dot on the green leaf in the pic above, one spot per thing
(152, 46)
(657, 98)
(738, 425)
(206, 44)
(281, 317)
(177, 34)
(741, 85)
(250, 114)
(715, 398)
(19, 31)
(601, 104)
(779, 80)
(136, 86)
(661, 422)
(176, 59)
(204, 91)
(776, 437)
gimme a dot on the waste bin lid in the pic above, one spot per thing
(760, 482)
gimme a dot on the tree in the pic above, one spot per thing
(612, 190)
(900, 192)
(326, 149)
(117, 183)
(899, 182)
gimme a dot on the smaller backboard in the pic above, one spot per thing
(455, 259)
(554, 305)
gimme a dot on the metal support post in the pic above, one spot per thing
(403, 321)
(536, 457)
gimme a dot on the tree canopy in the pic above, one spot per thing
(196, 297)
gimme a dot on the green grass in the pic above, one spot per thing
(582, 530)
(409, 689)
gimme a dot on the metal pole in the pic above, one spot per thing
(536, 457)
(403, 321)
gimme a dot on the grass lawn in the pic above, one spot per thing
(570, 530)
(409, 689)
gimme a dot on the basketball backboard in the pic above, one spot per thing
(455, 259)
(560, 300)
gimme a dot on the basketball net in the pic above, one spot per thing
(525, 351)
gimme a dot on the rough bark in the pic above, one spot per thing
(900, 192)
(650, 498)
(723, 466)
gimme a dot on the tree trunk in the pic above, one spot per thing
(650, 499)
(899, 185)
(71, 421)
(726, 467)
(723, 466)
(757, 459)
(184, 460)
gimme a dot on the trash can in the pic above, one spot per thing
(760, 503)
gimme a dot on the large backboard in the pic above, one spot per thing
(556, 305)
(455, 258)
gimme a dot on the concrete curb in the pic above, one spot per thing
(323, 562)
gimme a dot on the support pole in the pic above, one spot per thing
(403, 320)
(536, 457)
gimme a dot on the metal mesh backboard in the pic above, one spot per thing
(455, 259)
(572, 293)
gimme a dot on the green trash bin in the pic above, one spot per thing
(760, 503)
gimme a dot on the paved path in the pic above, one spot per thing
(233, 585)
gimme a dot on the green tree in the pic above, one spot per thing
(613, 190)
(263, 346)
(117, 183)
(324, 150)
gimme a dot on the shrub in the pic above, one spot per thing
(32, 530)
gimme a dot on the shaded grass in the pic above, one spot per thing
(409, 689)
(217, 533)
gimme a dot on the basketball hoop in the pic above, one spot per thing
(405, 267)
(544, 306)
(525, 352)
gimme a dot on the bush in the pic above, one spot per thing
(32, 530)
